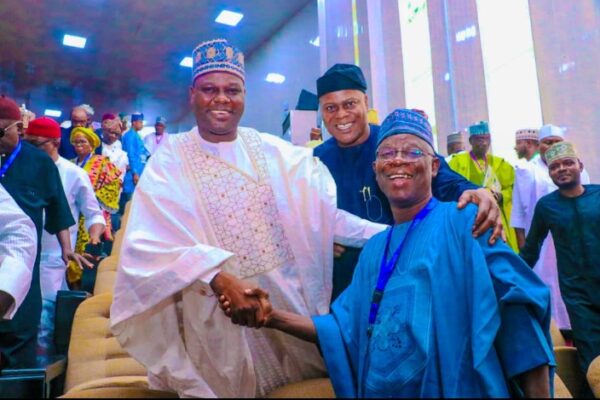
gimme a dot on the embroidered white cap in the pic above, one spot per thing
(551, 130)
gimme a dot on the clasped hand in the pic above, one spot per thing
(245, 304)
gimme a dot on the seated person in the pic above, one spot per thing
(450, 315)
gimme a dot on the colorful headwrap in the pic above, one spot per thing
(137, 116)
(455, 137)
(161, 120)
(9, 109)
(480, 128)
(403, 121)
(89, 134)
(551, 130)
(108, 116)
(217, 56)
(560, 150)
(114, 123)
(527, 134)
(341, 77)
(43, 127)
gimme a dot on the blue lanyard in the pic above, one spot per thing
(85, 160)
(10, 160)
(387, 267)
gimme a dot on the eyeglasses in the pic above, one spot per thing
(78, 122)
(80, 142)
(4, 130)
(410, 155)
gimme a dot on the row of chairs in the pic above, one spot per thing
(569, 371)
(98, 367)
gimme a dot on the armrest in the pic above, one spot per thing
(593, 376)
(567, 367)
(67, 302)
(560, 390)
(34, 382)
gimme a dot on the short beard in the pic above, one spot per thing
(568, 185)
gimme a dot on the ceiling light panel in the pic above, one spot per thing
(74, 41)
(230, 18)
(275, 78)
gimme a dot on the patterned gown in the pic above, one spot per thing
(105, 178)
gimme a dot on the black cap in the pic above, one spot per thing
(307, 101)
(341, 77)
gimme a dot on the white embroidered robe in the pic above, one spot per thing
(259, 208)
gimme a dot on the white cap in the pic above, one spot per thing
(551, 130)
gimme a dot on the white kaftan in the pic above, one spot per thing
(82, 200)
(257, 207)
(117, 156)
(153, 141)
(18, 249)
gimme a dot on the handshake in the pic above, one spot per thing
(250, 306)
(245, 305)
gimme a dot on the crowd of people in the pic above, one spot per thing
(249, 263)
(70, 183)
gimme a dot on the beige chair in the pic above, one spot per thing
(311, 388)
(106, 276)
(567, 366)
(557, 337)
(593, 376)
(125, 215)
(97, 364)
(118, 240)
(107, 269)
(560, 390)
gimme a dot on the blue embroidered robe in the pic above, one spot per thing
(459, 318)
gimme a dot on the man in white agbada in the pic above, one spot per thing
(44, 133)
(532, 182)
(18, 248)
(220, 209)
(156, 138)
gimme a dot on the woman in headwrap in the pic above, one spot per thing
(105, 178)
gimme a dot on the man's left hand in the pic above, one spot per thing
(77, 258)
(338, 250)
(488, 215)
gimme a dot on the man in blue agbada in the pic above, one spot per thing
(449, 316)
(133, 145)
(350, 152)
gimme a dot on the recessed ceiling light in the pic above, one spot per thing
(187, 62)
(275, 78)
(315, 42)
(53, 113)
(74, 41)
(229, 18)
